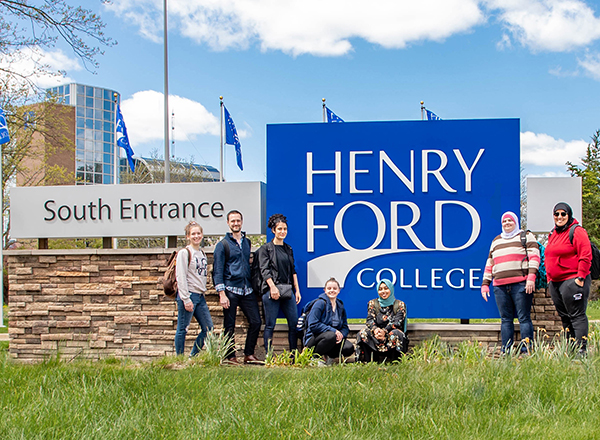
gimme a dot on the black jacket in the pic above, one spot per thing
(267, 260)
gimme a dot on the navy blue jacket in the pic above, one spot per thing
(235, 272)
(320, 318)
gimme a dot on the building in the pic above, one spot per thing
(91, 126)
(94, 130)
(151, 170)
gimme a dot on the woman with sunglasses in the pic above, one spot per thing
(568, 259)
(512, 265)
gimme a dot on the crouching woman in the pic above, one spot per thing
(328, 325)
(384, 337)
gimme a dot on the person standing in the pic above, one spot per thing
(568, 259)
(512, 265)
(276, 261)
(233, 283)
(191, 285)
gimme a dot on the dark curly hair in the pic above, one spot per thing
(276, 219)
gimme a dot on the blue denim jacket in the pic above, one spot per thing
(235, 272)
(320, 318)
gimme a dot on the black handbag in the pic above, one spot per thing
(285, 291)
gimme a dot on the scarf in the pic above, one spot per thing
(565, 207)
(514, 232)
(390, 299)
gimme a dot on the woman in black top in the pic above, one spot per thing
(280, 288)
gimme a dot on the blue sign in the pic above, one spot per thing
(415, 202)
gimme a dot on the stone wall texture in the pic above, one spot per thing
(109, 302)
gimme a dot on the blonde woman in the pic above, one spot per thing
(328, 324)
(191, 285)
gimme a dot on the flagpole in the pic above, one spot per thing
(116, 164)
(221, 133)
(2, 239)
(422, 107)
(166, 74)
(324, 111)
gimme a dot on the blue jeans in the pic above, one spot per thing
(290, 311)
(184, 318)
(511, 298)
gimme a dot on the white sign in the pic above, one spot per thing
(543, 193)
(134, 210)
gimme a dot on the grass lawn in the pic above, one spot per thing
(436, 394)
(593, 310)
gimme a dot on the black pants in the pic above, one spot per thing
(325, 345)
(571, 301)
(249, 306)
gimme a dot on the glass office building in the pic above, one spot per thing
(95, 130)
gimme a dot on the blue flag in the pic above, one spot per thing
(123, 139)
(232, 138)
(432, 116)
(332, 117)
(4, 136)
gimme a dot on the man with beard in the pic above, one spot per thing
(233, 283)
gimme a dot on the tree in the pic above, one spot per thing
(37, 134)
(25, 31)
(590, 186)
(27, 28)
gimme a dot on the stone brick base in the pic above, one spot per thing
(109, 302)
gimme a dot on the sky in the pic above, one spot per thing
(274, 60)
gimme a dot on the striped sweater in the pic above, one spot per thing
(507, 261)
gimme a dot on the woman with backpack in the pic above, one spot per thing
(328, 324)
(568, 262)
(280, 289)
(384, 337)
(512, 264)
(191, 269)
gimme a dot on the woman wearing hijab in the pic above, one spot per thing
(512, 265)
(384, 337)
(568, 260)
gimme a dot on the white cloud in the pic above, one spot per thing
(504, 43)
(591, 65)
(548, 25)
(327, 27)
(144, 117)
(315, 27)
(543, 150)
(549, 174)
(39, 67)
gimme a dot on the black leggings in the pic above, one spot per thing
(325, 345)
(571, 301)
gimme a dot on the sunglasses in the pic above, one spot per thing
(560, 214)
